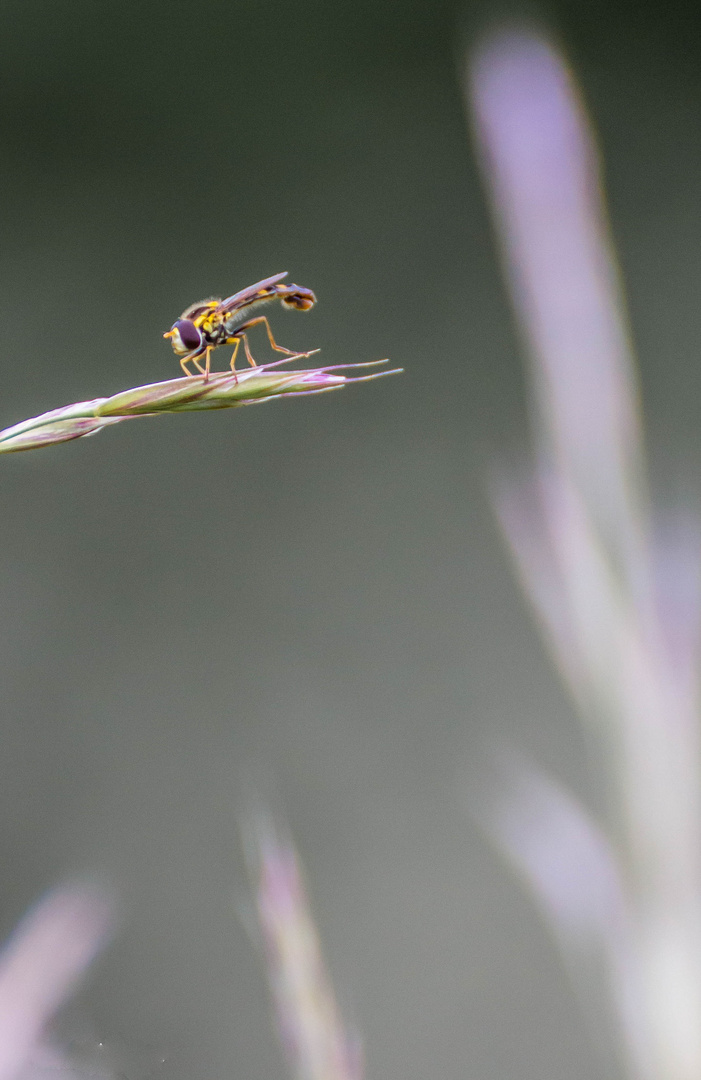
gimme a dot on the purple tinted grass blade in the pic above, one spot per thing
(49, 435)
(335, 385)
(314, 1037)
(572, 870)
(567, 859)
(222, 390)
(41, 965)
(543, 173)
(58, 425)
(225, 390)
(606, 596)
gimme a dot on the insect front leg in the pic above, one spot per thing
(185, 360)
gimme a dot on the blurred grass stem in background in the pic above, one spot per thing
(314, 1037)
(41, 965)
(580, 531)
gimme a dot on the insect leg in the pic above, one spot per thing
(271, 339)
(248, 351)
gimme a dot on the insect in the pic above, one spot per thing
(210, 323)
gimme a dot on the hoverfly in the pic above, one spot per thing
(210, 323)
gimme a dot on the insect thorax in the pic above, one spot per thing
(215, 333)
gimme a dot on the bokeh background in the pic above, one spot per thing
(311, 598)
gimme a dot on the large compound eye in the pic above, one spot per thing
(189, 334)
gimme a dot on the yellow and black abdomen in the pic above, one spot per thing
(292, 296)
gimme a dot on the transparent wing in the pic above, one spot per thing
(260, 291)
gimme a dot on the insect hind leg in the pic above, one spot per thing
(241, 333)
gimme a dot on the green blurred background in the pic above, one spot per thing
(315, 591)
